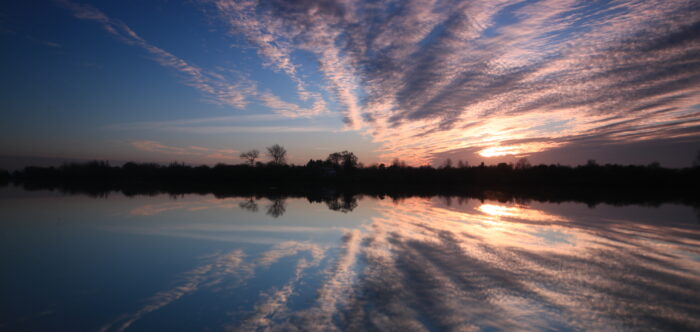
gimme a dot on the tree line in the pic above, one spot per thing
(344, 167)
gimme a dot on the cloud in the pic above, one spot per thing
(227, 124)
(218, 120)
(190, 151)
(213, 85)
(275, 38)
(427, 77)
(431, 77)
(237, 91)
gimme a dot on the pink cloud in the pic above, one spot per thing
(190, 151)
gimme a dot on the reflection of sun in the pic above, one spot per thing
(498, 210)
(518, 212)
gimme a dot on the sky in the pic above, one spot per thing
(201, 81)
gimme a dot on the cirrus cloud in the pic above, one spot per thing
(189, 151)
(425, 77)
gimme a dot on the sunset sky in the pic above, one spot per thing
(200, 81)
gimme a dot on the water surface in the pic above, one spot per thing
(354, 263)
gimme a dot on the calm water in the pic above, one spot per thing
(76, 263)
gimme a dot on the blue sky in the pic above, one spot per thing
(201, 81)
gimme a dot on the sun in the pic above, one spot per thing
(498, 151)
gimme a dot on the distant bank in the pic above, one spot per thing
(590, 183)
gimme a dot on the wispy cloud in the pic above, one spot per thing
(213, 85)
(153, 125)
(430, 77)
(426, 77)
(219, 87)
(257, 123)
(189, 151)
(277, 37)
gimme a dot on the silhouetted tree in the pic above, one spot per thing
(462, 164)
(99, 178)
(334, 158)
(447, 164)
(4, 177)
(522, 163)
(250, 156)
(278, 154)
(398, 163)
(349, 159)
(344, 158)
(696, 162)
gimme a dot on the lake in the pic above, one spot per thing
(198, 262)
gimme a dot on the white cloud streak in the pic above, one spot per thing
(236, 92)
(213, 85)
(189, 151)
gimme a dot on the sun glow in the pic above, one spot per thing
(498, 151)
(515, 150)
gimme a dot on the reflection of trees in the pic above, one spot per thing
(277, 208)
(453, 275)
(343, 204)
(249, 205)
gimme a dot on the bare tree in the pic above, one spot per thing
(334, 158)
(250, 156)
(345, 158)
(522, 163)
(278, 154)
(447, 164)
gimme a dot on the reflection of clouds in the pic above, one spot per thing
(238, 233)
(188, 205)
(274, 301)
(451, 269)
(276, 208)
(226, 268)
(336, 289)
(503, 266)
(445, 264)
(213, 272)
